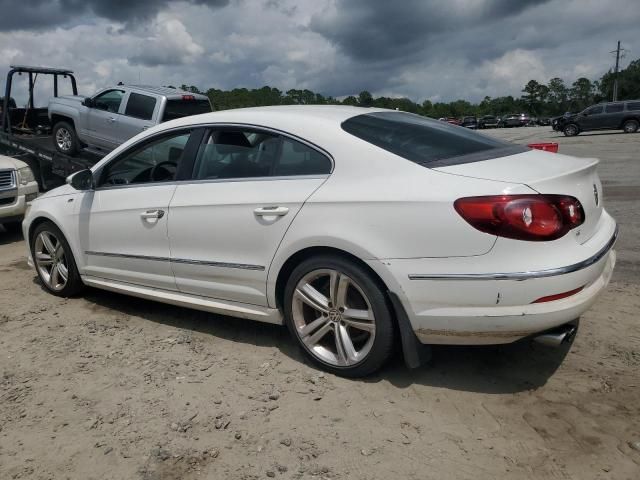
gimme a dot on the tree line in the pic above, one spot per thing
(538, 99)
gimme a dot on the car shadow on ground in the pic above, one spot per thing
(488, 369)
(9, 236)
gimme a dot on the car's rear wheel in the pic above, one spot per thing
(65, 138)
(571, 130)
(339, 315)
(54, 261)
(630, 126)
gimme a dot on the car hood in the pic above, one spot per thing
(57, 192)
(7, 162)
(68, 99)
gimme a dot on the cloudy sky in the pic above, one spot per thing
(422, 49)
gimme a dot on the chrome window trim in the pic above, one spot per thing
(98, 171)
(255, 179)
(519, 276)
(188, 261)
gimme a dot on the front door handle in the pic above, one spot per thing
(271, 211)
(152, 214)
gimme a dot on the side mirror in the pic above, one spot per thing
(88, 102)
(82, 180)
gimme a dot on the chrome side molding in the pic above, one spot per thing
(519, 276)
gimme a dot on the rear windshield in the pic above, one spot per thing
(184, 108)
(425, 141)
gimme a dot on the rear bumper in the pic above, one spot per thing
(492, 308)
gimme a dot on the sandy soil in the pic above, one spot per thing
(110, 387)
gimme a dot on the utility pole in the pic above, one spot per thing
(617, 51)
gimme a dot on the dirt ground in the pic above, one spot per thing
(109, 387)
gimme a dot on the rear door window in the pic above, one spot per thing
(140, 106)
(614, 108)
(425, 141)
(633, 106)
(296, 158)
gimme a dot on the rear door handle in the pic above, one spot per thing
(111, 119)
(152, 214)
(271, 211)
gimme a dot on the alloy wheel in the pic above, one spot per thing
(333, 317)
(51, 260)
(63, 139)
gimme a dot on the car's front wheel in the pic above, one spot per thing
(571, 130)
(54, 261)
(339, 315)
(630, 126)
(65, 138)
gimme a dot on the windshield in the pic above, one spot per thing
(425, 141)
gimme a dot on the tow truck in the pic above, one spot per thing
(26, 131)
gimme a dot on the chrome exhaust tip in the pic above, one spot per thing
(557, 337)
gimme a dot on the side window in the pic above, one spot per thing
(109, 100)
(140, 106)
(153, 162)
(633, 106)
(614, 108)
(298, 159)
(236, 154)
(594, 110)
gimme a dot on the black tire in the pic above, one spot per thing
(571, 130)
(383, 341)
(65, 138)
(630, 126)
(74, 283)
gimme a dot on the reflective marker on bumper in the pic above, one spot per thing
(558, 296)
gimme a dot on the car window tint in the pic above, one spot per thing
(154, 162)
(423, 140)
(109, 101)
(594, 110)
(614, 108)
(236, 154)
(183, 108)
(633, 106)
(297, 158)
(140, 106)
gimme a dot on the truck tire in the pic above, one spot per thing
(65, 139)
(630, 126)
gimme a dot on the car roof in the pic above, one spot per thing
(168, 92)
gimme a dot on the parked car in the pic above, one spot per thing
(515, 120)
(543, 121)
(623, 116)
(470, 122)
(251, 213)
(451, 120)
(115, 114)
(18, 187)
(488, 121)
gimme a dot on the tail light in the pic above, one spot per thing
(188, 97)
(522, 217)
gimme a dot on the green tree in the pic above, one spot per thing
(365, 99)
(581, 94)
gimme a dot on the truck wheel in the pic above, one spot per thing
(65, 139)
(571, 130)
(630, 126)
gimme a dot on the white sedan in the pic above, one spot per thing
(360, 229)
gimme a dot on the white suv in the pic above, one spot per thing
(17, 188)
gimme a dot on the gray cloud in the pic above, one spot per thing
(419, 49)
(38, 14)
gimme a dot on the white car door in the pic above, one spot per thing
(123, 221)
(225, 224)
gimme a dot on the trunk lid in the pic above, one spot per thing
(549, 173)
